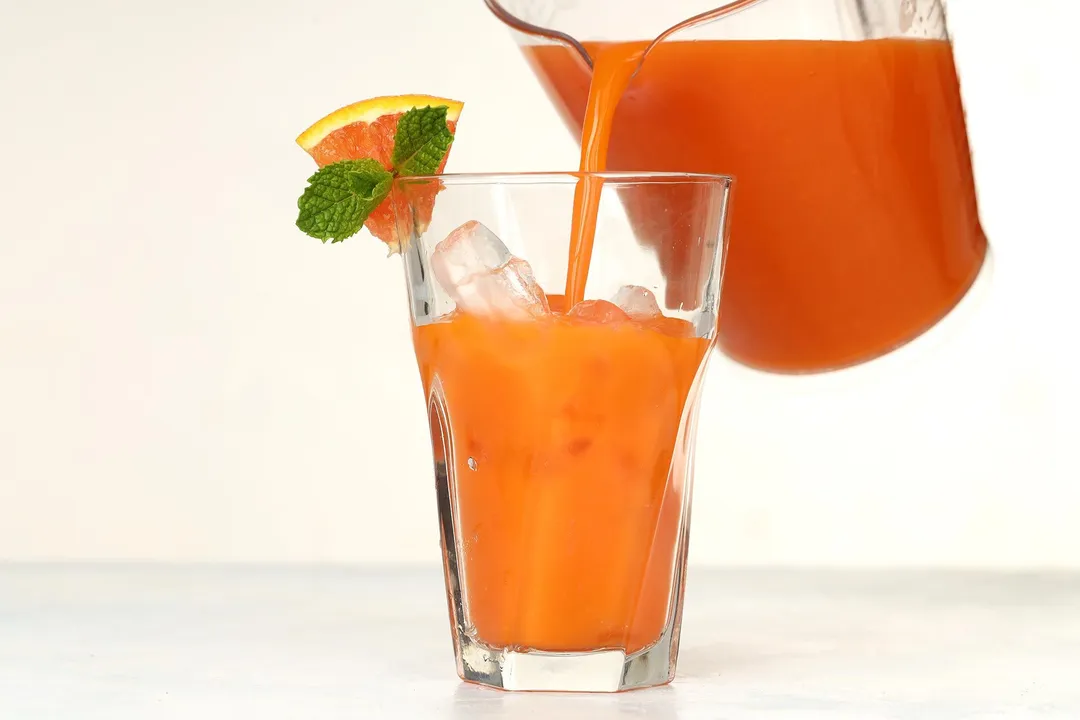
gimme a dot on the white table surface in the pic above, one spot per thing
(127, 642)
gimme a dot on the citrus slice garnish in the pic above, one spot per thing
(367, 129)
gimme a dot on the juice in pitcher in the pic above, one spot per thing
(855, 226)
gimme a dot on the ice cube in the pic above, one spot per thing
(599, 311)
(482, 277)
(637, 302)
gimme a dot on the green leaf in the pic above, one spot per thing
(340, 196)
(423, 138)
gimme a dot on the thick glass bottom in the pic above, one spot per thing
(593, 671)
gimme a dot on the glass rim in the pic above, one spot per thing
(618, 177)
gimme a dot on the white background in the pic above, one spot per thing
(183, 376)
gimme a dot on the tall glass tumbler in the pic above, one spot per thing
(562, 433)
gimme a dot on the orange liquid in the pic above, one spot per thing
(615, 70)
(568, 468)
(854, 225)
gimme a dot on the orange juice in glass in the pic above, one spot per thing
(563, 434)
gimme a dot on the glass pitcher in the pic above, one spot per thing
(854, 226)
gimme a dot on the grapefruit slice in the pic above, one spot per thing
(366, 130)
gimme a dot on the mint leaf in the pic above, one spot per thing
(422, 140)
(340, 196)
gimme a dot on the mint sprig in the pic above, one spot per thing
(340, 196)
(422, 140)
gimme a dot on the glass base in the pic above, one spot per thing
(592, 671)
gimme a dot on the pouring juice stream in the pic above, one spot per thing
(614, 66)
(612, 71)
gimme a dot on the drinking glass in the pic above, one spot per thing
(562, 437)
